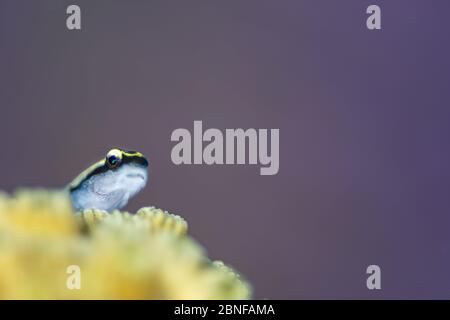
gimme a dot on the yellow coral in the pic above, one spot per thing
(147, 255)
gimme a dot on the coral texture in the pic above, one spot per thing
(118, 255)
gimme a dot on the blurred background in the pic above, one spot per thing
(364, 123)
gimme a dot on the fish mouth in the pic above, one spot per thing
(136, 175)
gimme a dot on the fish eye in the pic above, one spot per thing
(113, 158)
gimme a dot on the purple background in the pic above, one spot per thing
(364, 124)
